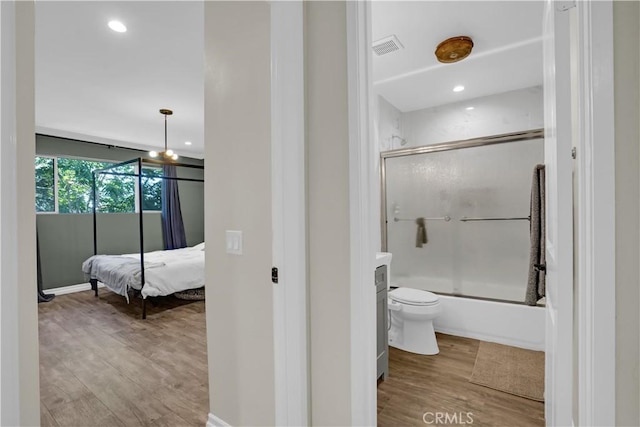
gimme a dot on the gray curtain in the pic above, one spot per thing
(172, 225)
(42, 297)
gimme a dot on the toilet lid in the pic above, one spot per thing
(413, 296)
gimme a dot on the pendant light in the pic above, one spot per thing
(167, 154)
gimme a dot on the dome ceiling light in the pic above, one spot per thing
(454, 49)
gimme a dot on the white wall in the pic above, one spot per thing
(388, 124)
(491, 115)
(328, 198)
(238, 197)
(20, 402)
(626, 16)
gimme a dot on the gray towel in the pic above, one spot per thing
(536, 282)
(421, 236)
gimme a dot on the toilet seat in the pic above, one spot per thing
(412, 296)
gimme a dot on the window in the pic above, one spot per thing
(73, 187)
(151, 189)
(45, 184)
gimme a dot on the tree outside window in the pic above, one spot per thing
(151, 189)
(45, 184)
(115, 193)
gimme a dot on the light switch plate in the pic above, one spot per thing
(234, 242)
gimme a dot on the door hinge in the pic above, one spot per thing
(563, 6)
(274, 274)
(574, 153)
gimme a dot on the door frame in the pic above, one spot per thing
(364, 213)
(19, 396)
(289, 214)
(19, 356)
(595, 225)
(596, 230)
(559, 67)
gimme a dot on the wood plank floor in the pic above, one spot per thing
(101, 365)
(418, 384)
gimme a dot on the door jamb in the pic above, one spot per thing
(362, 189)
(288, 174)
(20, 392)
(596, 229)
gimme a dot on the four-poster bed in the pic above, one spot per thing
(157, 273)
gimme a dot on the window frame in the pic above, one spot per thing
(56, 211)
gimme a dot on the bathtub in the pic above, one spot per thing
(504, 323)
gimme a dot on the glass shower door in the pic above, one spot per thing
(480, 251)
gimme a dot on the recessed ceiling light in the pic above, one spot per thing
(187, 143)
(459, 88)
(469, 108)
(117, 26)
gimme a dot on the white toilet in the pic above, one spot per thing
(412, 312)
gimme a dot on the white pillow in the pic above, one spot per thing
(199, 247)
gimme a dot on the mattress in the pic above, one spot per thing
(165, 273)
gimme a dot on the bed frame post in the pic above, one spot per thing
(141, 210)
(94, 282)
(95, 230)
(94, 285)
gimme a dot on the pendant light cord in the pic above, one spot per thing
(165, 133)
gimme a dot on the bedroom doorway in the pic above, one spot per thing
(119, 194)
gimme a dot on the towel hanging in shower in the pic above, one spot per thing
(421, 236)
(537, 274)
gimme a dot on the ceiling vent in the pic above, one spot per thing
(387, 45)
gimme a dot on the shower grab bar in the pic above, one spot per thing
(446, 218)
(522, 218)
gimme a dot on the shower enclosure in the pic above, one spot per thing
(474, 197)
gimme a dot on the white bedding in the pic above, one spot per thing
(167, 272)
(183, 269)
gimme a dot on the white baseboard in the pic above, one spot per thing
(214, 421)
(71, 289)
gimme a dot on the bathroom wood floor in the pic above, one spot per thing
(418, 384)
(101, 365)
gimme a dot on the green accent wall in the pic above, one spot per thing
(66, 240)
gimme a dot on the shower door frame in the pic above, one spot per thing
(445, 146)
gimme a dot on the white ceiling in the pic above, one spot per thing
(98, 85)
(507, 53)
(95, 84)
